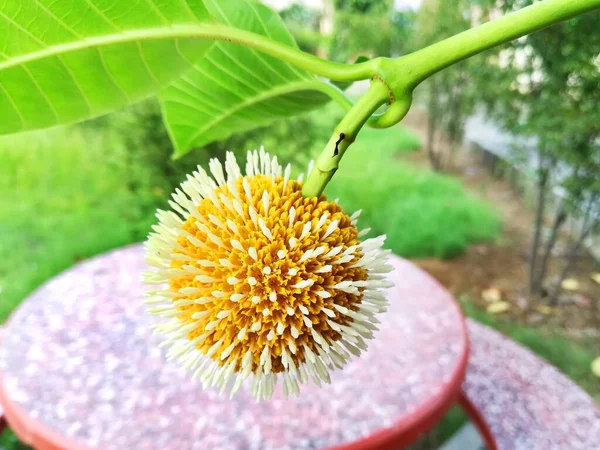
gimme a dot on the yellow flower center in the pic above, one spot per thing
(265, 261)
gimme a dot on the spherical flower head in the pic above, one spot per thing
(260, 282)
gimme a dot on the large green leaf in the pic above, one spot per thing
(233, 89)
(67, 60)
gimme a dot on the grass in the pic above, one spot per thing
(61, 201)
(8, 441)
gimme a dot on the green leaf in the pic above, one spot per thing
(64, 61)
(234, 89)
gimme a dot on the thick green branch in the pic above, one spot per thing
(403, 74)
(328, 69)
(421, 64)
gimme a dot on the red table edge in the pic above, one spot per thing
(411, 427)
(478, 421)
(405, 432)
(33, 432)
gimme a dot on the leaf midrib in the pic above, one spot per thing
(204, 31)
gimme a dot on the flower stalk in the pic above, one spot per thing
(344, 135)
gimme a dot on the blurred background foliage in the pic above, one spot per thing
(547, 87)
(355, 34)
(450, 95)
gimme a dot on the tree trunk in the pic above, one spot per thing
(432, 115)
(539, 218)
(326, 28)
(454, 125)
(571, 259)
(559, 220)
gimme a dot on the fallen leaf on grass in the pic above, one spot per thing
(570, 284)
(498, 307)
(544, 309)
(596, 367)
(492, 295)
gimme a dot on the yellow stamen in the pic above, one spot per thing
(290, 288)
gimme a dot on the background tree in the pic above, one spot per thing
(370, 28)
(546, 86)
(304, 23)
(449, 95)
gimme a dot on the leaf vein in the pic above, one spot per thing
(201, 100)
(145, 63)
(158, 12)
(232, 75)
(59, 20)
(223, 49)
(77, 85)
(300, 74)
(250, 101)
(110, 75)
(15, 107)
(42, 92)
(102, 15)
(258, 56)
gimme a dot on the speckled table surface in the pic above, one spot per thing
(527, 403)
(80, 369)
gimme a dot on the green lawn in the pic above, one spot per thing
(61, 201)
(8, 441)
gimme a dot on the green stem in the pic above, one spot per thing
(328, 69)
(328, 161)
(423, 63)
(333, 71)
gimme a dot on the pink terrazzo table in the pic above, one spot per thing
(79, 369)
(520, 402)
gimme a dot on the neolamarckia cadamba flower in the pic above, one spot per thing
(259, 282)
